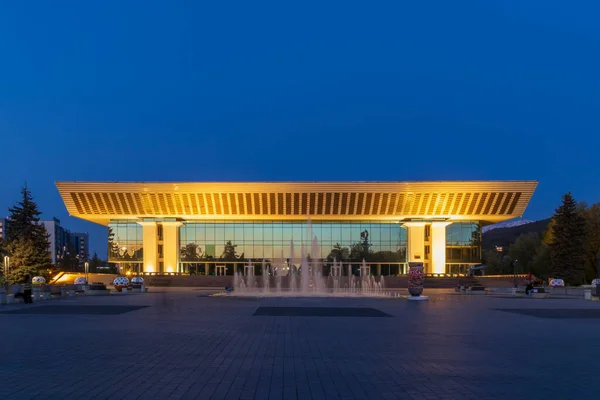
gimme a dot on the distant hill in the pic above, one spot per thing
(506, 236)
(506, 224)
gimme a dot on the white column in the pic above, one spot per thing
(171, 245)
(438, 246)
(150, 246)
(416, 241)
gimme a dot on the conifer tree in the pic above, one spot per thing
(567, 248)
(27, 241)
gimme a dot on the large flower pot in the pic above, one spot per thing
(416, 278)
(121, 283)
(80, 280)
(38, 280)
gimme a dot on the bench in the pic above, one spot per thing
(97, 289)
(539, 293)
(476, 290)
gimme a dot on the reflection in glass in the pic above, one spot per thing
(463, 244)
(125, 240)
(374, 242)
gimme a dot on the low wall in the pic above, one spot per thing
(389, 282)
(501, 281)
(68, 278)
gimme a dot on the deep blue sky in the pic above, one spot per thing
(310, 90)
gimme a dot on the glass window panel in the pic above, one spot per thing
(239, 232)
(386, 233)
(209, 233)
(374, 232)
(248, 232)
(277, 232)
(286, 232)
(219, 232)
(326, 232)
(200, 232)
(131, 232)
(456, 253)
(219, 248)
(183, 234)
(267, 251)
(297, 233)
(355, 233)
(241, 251)
(120, 233)
(229, 233)
(258, 232)
(268, 232)
(317, 231)
(346, 233)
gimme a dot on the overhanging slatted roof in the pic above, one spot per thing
(492, 201)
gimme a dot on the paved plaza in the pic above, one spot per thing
(184, 344)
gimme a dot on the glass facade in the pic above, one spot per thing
(203, 245)
(125, 242)
(463, 244)
(347, 241)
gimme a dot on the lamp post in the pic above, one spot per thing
(6, 267)
(597, 274)
(515, 272)
(87, 269)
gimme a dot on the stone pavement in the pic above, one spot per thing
(182, 344)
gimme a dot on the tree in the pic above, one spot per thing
(567, 248)
(476, 237)
(229, 252)
(592, 242)
(27, 241)
(191, 252)
(532, 254)
(495, 264)
(113, 247)
(338, 253)
(542, 264)
(524, 250)
(361, 250)
(95, 263)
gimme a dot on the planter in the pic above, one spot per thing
(38, 280)
(416, 279)
(80, 280)
(557, 283)
(121, 283)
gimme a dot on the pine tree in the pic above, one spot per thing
(27, 241)
(95, 263)
(567, 249)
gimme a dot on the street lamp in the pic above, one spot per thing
(598, 274)
(515, 271)
(87, 269)
(6, 267)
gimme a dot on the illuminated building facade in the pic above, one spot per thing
(195, 227)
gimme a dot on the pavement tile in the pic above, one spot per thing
(177, 345)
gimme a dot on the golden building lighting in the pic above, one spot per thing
(172, 227)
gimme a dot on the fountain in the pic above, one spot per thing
(305, 276)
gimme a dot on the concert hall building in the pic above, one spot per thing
(184, 227)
